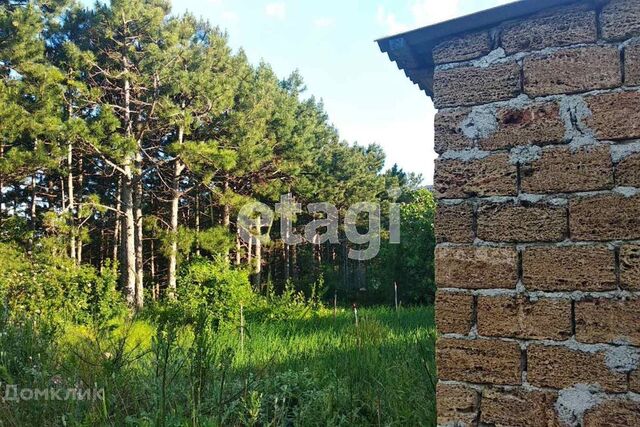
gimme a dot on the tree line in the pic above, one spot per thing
(130, 137)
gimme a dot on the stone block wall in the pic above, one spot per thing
(538, 222)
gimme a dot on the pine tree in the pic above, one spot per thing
(197, 89)
(31, 88)
(124, 40)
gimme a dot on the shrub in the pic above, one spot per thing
(288, 305)
(216, 286)
(54, 286)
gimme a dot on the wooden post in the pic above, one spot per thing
(355, 313)
(335, 303)
(395, 289)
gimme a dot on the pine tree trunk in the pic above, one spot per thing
(173, 223)
(128, 188)
(152, 270)
(70, 192)
(173, 251)
(34, 213)
(117, 225)
(226, 210)
(80, 180)
(63, 195)
(317, 255)
(197, 224)
(101, 252)
(34, 196)
(137, 200)
(128, 251)
(238, 248)
(258, 268)
(71, 202)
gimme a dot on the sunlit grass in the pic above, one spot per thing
(314, 370)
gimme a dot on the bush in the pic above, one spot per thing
(288, 305)
(55, 287)
(214, 286)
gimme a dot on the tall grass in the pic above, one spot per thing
(312, 371)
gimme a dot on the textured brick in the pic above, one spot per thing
(539, 123)
(454, 313)
(613, 413)
(630, 267)
(449, 134)
(454, 223)
(632, 64)
(475, 85)
(605, 217)
(491, 176)
(507, 222)
(564, 27)
(517, 317)
(608, 321)
(614, 116)
(535, 124)
(628, 171)
(457, 404)
(476, 267)
(560, 367)
(463, 48)
(634, 381)
(480, 361)
(519, 408)
(565, 170)
(572, 268)
(620, 19)
(572, 70)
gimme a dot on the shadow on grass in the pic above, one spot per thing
(310, 371)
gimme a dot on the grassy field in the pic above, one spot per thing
(312, 371)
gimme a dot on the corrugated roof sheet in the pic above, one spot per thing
(412, 51)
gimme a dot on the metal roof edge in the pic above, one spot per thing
(411, 49)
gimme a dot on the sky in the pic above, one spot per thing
(331, 43)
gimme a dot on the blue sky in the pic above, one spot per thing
(331, 42)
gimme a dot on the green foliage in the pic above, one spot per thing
(161, 133)
(315, 371)
(410, 263)
(216, 241)
(417, 247)
(126, 100)
(214, 286)
(55, 287)
(289, 304)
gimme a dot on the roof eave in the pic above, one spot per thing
(411, 50)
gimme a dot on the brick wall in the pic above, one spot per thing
(538, 222)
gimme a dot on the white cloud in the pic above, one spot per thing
(276, 10)
(323, 22)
